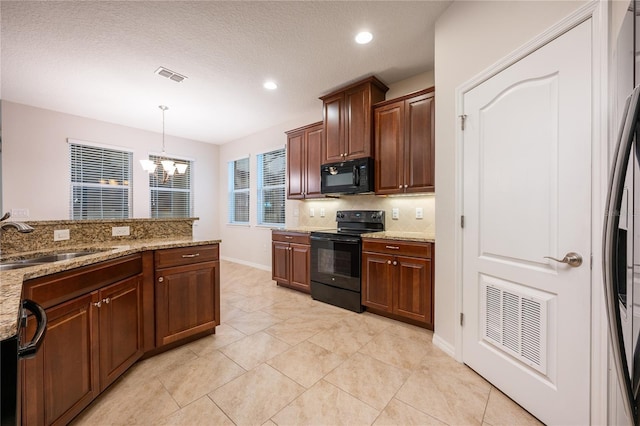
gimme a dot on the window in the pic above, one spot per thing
(271, 187)
(100, 182)
(239, 191)
(170, 197)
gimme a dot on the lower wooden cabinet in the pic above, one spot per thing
(187, 293)
(91, 338)
(397, 280)
(291, 260)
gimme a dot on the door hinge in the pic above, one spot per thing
(463, 118)
(462, 221)
(461, 318)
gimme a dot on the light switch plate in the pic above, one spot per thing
(60, 234)
(419, 213)
(20, 213)
(119, 231)
(296, 212)
(312, 212)
(395, 213)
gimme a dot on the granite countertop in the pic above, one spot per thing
(303, 229)
(11, 280)
(422, 237)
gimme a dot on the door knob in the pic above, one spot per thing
(572, 259)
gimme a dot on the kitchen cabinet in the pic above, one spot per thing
(187, 292)
(348, 121)
(304, 157)
(94, 334)
(397, 280)
(291, 260)
(404, 135)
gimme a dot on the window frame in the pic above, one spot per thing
(128, 187)
(190, 191)
(231, 209)
(261, 187)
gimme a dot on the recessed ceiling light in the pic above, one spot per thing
(270, 85)
(364, 37)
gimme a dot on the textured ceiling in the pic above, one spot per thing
(97, 59)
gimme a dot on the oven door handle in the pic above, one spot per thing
(336, 240)
(29, 350)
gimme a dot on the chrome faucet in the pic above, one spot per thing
(18, 226)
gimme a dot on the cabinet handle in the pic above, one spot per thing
(161, 279)
(289, 238)
(190, 255)
(107, 300)
(395, 263)
(97, 304)
(393, 247)
(388, 262)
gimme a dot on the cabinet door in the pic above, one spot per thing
(300, 266)
(333, 129)
(377, 281)
(314, 161)
(389, 147)
(62, 378)
(419, 143)
(296, 165)
(185, 301)
(280, 261)
(412, 298)
(120, 328)
(357, 119)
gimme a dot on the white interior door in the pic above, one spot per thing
(527, 186)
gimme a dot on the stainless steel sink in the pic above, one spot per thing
(40, 260)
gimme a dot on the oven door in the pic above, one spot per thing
(335, 261)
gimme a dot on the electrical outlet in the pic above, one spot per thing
(395, 213)
(119, 231)
(61, 234)
(296, 212)
(419, 213)
(312, 212)
(322, 212)
(20, 213)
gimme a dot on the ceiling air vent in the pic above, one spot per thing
(172, 75)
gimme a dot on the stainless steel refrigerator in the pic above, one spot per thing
(621, 250)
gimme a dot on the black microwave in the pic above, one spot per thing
(347, 177)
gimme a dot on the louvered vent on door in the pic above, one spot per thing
(516, 323)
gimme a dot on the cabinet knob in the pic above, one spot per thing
(97, 304)
(395, 263)
(161, 279)
(388, 262)
(345, 154)
(406, 186)
(400, 187)
(107, 300)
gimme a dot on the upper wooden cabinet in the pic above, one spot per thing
(304, 157)
(405, 144)
(348, 123)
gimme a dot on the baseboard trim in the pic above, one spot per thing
(244, 262)
(445, 346)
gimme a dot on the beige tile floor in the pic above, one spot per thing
(281, 358)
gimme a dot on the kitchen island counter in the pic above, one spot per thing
(11, 280)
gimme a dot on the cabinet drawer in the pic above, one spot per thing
(403, 248)
(186, 255)
(54, 289)
(290, 237)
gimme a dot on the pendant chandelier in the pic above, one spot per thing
(169, 167)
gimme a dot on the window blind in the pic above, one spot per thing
(100, 182)
(239, 177)
(271, 187)
(173, 198)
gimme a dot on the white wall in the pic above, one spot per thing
(471, 36)
(35, 156)
(252, 244)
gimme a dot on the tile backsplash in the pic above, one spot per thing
(406, 206)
